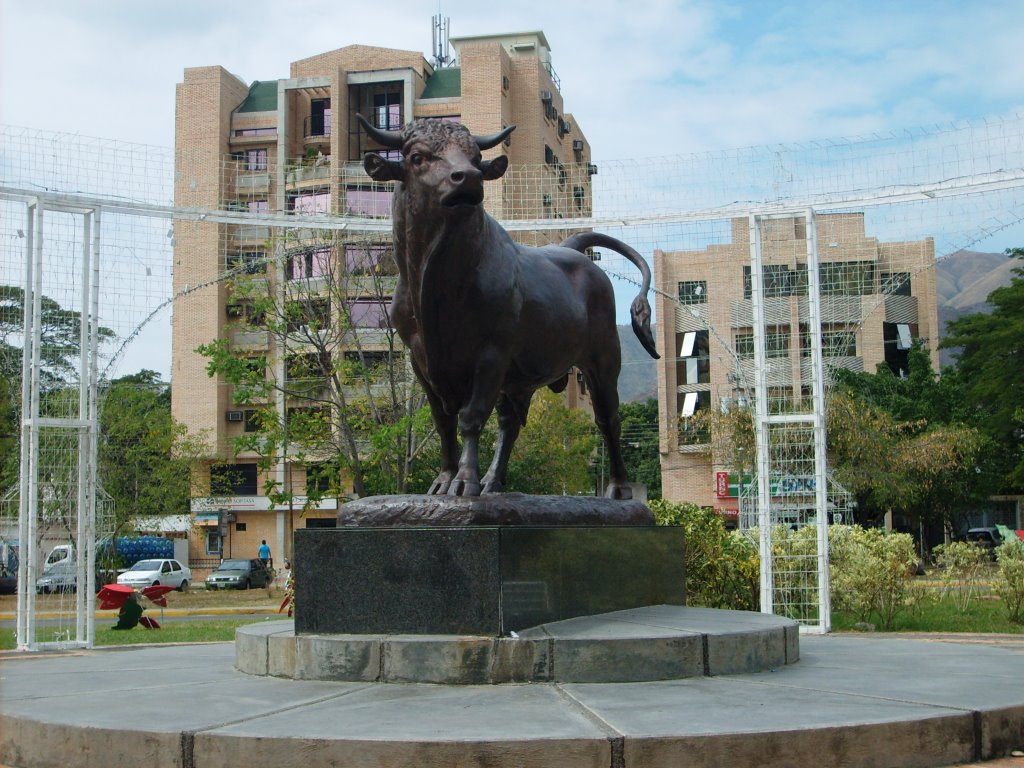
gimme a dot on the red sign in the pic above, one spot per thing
(722, 483)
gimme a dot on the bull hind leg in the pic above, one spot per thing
(511, 418)
(605, 399)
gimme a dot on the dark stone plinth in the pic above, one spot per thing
(479, 580)
(495, 509)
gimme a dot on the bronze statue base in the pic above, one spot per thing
(501, 509)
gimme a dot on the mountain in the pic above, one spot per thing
(638, 379)
(963, 281)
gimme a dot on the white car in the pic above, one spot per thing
(148, 572)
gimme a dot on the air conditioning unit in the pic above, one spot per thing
(236, 416)
(591, 169)
(545, 96)
(577, 145)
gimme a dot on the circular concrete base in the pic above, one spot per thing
(662, 642)
(858, 702)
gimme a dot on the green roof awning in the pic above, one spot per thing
(262, 97)
(443, 84)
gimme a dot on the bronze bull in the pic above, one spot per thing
(489, 321)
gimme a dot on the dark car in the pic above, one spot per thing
(240, 574)
(986, 538)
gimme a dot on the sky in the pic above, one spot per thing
(643, 78)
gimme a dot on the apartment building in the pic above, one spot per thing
(876, 299)
(292, 147)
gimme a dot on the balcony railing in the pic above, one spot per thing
(316, 126)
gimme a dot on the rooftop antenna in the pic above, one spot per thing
(439, 29)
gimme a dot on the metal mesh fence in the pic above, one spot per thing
(187, 232)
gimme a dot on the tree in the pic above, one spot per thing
(640, 444)
(351, 406)
(554, 451)
(60, 337)
(990, 367)
(902, 445)
(145, 457)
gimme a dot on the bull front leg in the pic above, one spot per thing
(511, 415)
(488, 376)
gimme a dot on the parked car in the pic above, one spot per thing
(240, 574)
(59, 577)
(986, 538)
(147, 572)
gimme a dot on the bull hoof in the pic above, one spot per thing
(464, 488)
(440, 485)
(616, 491)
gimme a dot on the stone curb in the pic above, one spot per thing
(637, 645)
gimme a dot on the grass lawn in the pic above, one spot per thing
(213, 630)
(984, 613)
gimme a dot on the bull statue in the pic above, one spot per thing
(489, 321)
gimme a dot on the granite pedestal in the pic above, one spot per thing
(487, 580)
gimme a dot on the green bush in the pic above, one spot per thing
(872, 572)
(961, 564)
(1010, 584)
(722, 569)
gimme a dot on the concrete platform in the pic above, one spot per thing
(850, 701)
(661, 642)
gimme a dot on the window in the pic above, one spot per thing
(247, 312)
(309, 423)
(310, 203)
(320, 478)
(578, 195)
(777, 342)
(744, 345)
(367, 202)
(320, 118)
(214, 542)
(692, 431)
(251, 421)
(387, 110)
(366, 259)
(311, 263)
(367, 359)
(549, 155)
(896, 283)
(308, 316)
(240, 527)
(368, 313)
(836, 341)
(255, 159)
(847, 278)
(233, 480)
(247, 262)
(779, 281)
(257, 206)
(309, 365)
(694, 359)
(255, 131)
(693, 292)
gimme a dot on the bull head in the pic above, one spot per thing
(381, 169)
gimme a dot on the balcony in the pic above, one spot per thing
(252, 182)
(316, 130)
(317, 171)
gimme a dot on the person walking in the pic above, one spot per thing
(264, 552)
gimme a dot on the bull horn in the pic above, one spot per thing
(389, 139)
(486, 142)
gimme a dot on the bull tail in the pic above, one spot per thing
(640, 309)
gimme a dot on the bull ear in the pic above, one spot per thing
(494, 169)
(380, 169)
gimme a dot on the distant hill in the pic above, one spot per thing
(638, 379)
(963, 281)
